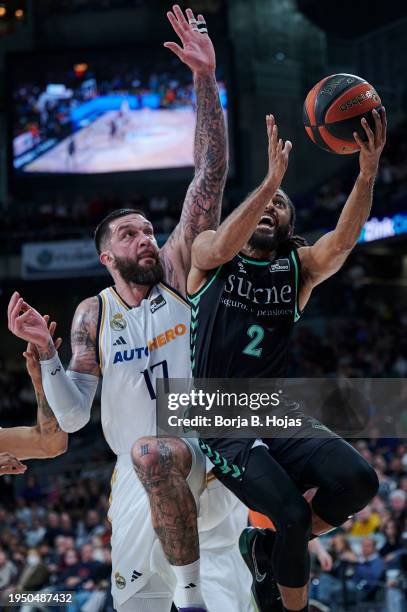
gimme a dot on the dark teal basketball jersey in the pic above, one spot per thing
(242, 318)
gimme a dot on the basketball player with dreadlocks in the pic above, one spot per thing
(249, 282)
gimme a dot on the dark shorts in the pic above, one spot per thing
(230, 455)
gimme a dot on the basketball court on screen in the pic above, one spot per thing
(145, 139)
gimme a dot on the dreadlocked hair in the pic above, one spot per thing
(294, 241)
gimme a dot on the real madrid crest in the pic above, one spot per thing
(118, 322)
(120, 581)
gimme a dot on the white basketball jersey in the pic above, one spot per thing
(135, 347)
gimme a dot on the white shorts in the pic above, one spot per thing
(136, 551)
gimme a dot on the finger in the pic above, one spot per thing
(10, 461)
(52, 328)
(190, 15)
(287, 147)
(175, 49)
(369, 133)
(274, 137)
(279, 146)
(46, 318)
(378, 128)
(180, 16)
(15, 312)
(25, 317)
(269, 124)
(201, 18)
(58, 343)
(176, 26)
(384, 125)
(14, 298)
(359, 141)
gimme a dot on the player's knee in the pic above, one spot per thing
(296, 519)
(159, 456)
(145, 454)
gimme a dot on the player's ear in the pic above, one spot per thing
(105, 258)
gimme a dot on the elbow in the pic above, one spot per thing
(55, 446)
(73, 421)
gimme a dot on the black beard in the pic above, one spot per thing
(263, 241)
(132, 272)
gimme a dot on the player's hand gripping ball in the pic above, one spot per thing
(334, 108)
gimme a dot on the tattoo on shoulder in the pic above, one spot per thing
(83, 336)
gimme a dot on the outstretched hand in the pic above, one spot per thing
(371, 150)
(25, 322)
(278, 153)
(197, 50)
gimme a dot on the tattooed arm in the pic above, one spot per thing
(45, 439)
(42, 441)
(201, 209)
(70, 394)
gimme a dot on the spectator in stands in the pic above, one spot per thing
(53, 528)
(366, 523)
(35, 574)
(392, 543)
(35, 534)
(368, 572)
(8, 571)
(398, 504)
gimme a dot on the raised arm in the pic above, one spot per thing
(213, 248)
(329, 253)
(201, 208)
(70, 394)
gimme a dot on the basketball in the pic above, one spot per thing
(334, 108)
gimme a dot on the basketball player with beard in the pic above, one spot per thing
(131, 334)
(249, 282)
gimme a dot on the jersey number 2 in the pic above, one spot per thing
(147, 377)
(257, 333)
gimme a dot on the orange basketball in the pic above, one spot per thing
(333, 110)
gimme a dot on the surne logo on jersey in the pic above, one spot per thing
(242, 287)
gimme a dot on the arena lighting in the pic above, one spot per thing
(377, 229)
(19, 14)
(3, 11)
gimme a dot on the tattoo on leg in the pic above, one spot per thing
(173, 508)
(144, 450)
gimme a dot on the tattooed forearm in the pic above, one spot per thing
(46, 420)
(202, 205)
(163, 471)
(49, 352)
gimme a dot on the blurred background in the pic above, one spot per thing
(96, 115)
